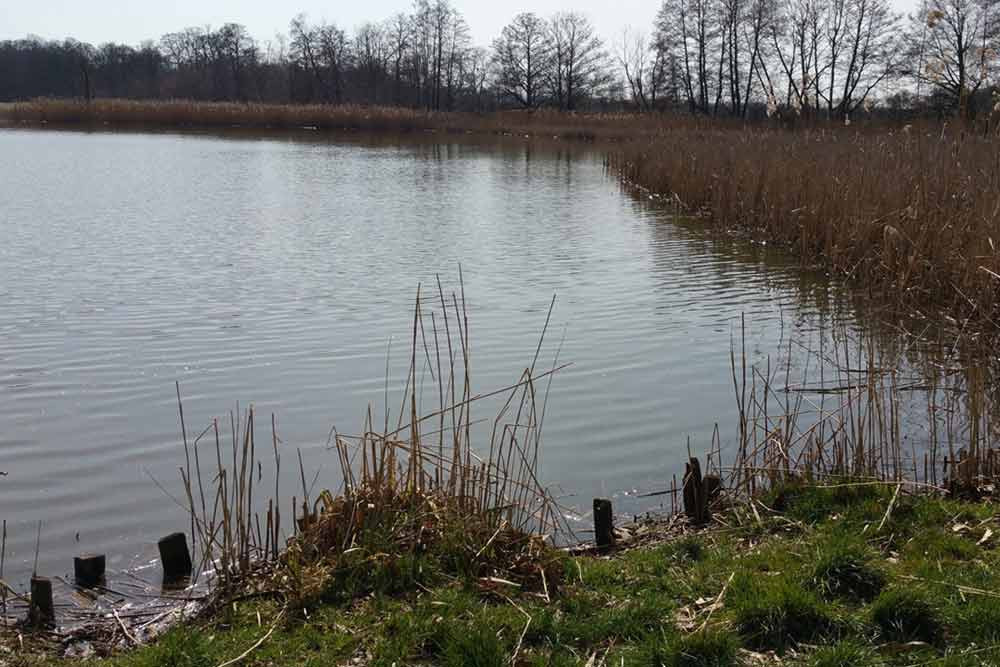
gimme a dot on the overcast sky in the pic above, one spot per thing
(132, 21)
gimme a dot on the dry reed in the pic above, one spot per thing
(410, 485)
(849, 424)
(911, 215)
(589, 126)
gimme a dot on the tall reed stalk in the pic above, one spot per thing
(851, 423)
(427, 465)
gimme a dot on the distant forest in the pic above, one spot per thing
(826, 58)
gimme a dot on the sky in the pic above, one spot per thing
(132, 21)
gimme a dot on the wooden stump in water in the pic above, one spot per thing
(42, 611)
(604, 529)
(88, 569)
(175, 557)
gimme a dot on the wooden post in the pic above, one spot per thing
(604, 534)
(175, 557)
(88, 569)
(42, 611)
(695, 495)
(713, 486)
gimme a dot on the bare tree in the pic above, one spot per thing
(457, 48)
(795, 38)
(397, 31)
(647, 68)
(240, 50)
(872, 37)
(477, 76)
(581, 66)
(322, 52)
(523, 59)
(370, 55)
(956, 47)
(688, 31)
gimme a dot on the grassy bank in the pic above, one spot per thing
(845, 575)
(824, 549)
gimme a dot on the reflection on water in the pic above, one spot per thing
(281, 270)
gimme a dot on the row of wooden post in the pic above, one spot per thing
(698, 493)
(88, 572)
(175, 557)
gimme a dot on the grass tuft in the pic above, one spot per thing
(844, 654)
(843, 571)
(906, 615)
(774, 612)
(178, 649)
(477, 646)
(705, 648)
(689, 548)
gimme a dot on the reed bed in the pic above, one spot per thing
(587, 126)
(860, 423)
(912, 215)
(415, 490)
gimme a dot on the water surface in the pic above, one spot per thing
(278, 269)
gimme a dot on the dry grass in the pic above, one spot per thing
(417, 492)
(913, 215)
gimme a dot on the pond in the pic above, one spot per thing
(282, 269)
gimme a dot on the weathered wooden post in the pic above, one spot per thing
(175, 557)
(88, 569)
(604, 529)
(42, 610)
(713, 486)
(695, 493)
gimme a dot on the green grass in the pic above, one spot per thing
(905, 615)
(820, 585)
(843, 570)
(845, 654)
(777, 612)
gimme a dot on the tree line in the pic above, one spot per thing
(813, 58)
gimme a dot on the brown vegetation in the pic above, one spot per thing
(184, 113)
(414, 495)
(912, 214)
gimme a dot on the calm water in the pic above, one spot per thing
(277, 269)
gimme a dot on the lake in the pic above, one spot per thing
(281, 270)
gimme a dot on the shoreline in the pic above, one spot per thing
(434, 558)
(844, 574)
(909, 212)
